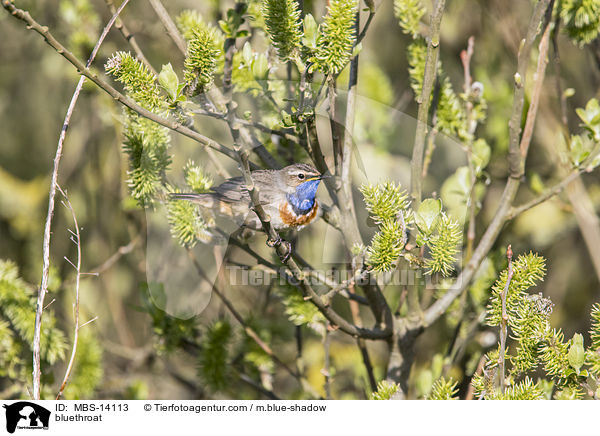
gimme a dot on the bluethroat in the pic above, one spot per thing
(288, 196)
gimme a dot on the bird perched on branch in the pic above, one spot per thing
(287, 195)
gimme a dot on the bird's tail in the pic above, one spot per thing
(206, 200)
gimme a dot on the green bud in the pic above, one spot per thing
(518, 80)
(247, 53)
(167, 79)
(428, 214)
(481, 153)
(576, 353)
(260, 67)
(310, 32)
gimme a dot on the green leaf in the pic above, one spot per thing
(580, 149)
(311, 31)
(247, 53)
(576, 352)
(481, 153)
(167, 79)
(260, 67)
(428, 214)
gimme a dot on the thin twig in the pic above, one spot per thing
(556, 63)
(258, 386)
(76, 304)
(424, 100)
(361, 343)
(363, 32)
(130, 37)
(254, 124)
(465, 57)
(53, 185)
(504, 321)
(326, 361)
(121, 251)
(547, 194)
(167, 21)
(334, 126)
(88, 322)
(535, 94)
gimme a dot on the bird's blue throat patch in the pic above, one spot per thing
(303, 200)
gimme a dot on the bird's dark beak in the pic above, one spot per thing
(325, 176)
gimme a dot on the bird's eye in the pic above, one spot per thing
(301, 176)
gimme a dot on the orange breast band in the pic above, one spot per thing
(289, 218)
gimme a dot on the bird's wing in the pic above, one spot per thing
(232, 190)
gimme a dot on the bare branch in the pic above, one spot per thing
(549, 193)
(121, 251)
(76, 304)
(89, 322)
(167, 21)
(327, 361)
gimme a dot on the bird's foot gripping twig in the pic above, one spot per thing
(277, 242)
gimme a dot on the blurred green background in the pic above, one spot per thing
(36, 85)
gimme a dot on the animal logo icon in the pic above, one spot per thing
(24, 414)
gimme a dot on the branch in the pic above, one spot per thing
(556, 63)
(121, 251)
(361, 344)
(516, 148)
(363, 32)
(77, 242)
(327, 361)
(504, 322)
(104, 85)
(549, 193)
(424, 100)
(258, 386)
(535, 94)
(130, 37)
(37, 372)
(465, 57)
(167, 21)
